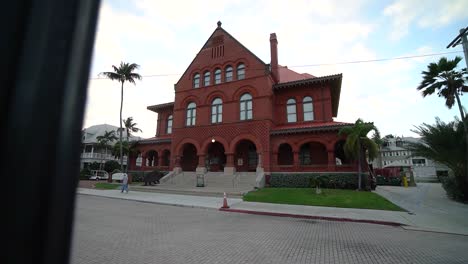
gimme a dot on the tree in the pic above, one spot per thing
(128, 148)
(111, 165)
(130, 127)
(105, 140)
(379, 142)
(449, 83)
(358, 144)
(124, 73)
(443, 143)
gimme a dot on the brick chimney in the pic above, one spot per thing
(274, 57)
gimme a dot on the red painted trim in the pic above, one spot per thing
(339, 219)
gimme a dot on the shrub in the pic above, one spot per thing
(393, 181)
(111, 165)
(84, 174)
(451, 185)
(94, 166)
(307, 180)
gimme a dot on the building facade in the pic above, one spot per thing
(234, 112)
(395, 153)
(92, 152)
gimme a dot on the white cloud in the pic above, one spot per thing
(426, 14)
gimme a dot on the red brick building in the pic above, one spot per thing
(234, 112)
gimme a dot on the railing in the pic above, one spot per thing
(235, 180)
(102, 156)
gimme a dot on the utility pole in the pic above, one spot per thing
(461, 39)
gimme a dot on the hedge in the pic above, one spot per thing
(393, 181)
(328, 180)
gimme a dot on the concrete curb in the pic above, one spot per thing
(328, 218)
(152, 202)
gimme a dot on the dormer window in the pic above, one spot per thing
(228, 73)
(217, 76)
(240, 71)
(206, 79)
(196, 80)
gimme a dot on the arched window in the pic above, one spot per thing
(291, 110)
(217, 76)
(191, 114)
(308, 108)
(217, 111)
(240, 71)
(246, 107)
(169, 125)
(196, 80)
(206, 78)
(228, 73)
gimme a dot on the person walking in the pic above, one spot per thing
(124, 183)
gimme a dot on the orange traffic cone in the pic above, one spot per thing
(225, 204)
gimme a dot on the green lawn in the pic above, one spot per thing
(107, 186)
(328, 197)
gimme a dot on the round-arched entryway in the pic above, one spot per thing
(215, 159)
(246, 157)
(189, 159)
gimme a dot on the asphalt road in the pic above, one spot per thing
(121, 231)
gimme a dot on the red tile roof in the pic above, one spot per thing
(287, 75)
(154, 108)
(156, 140)
(308, 127)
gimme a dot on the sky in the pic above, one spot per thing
(314, 37)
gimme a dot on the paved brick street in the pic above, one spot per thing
(121, 231)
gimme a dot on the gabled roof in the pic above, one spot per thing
(334, 80)
(296, 128)
(287, 75)
(90, 134)
(157, 107)
(208, 40)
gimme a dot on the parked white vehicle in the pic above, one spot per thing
(99, 175)
(118, 176)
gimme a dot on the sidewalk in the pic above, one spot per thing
(405, 219)
(430, 208)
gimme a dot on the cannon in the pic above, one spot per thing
(152, 178)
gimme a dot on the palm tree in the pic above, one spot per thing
(105, 140)
(130, 127)
(450, 84)
(441, 143)
(358, 144)
(124, 73)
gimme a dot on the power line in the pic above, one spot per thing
(377, 60)
(315, 65)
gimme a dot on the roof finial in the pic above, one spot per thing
(219, 23)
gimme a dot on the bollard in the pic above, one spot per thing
(405, 182)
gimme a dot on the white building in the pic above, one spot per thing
(92, 152)
(394, 153)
